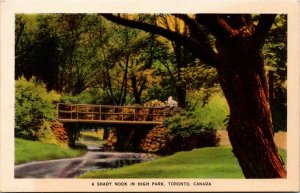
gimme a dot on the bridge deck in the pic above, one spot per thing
(107, 114)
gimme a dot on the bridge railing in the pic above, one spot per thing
(109, 113)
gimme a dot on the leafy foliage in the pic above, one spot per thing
(187, 131)
(195, 77)
(156, 92)
(33, 107)
(90, 96)
(46, 134)
(210, 106)
(197, 126)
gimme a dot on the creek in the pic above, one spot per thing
(72, 167)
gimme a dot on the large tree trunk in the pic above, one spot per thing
(243, 80)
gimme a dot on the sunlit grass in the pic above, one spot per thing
(91, 138)
(212, 162)
(27, 151)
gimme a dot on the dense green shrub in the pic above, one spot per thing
(46, 133)
(157, 92)
(188, 131)
(89, 96)
(209, 110)
(33, 106)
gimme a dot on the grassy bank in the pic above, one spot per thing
(213, 162)
(27, 151)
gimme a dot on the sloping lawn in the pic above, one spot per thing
(212, 162)
(27, 151)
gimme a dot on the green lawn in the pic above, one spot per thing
(27, 151)
(212, 162)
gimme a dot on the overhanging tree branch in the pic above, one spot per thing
(196, 31)
(236, 21)
(207, 56)
(217, 26)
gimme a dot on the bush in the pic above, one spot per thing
(212, 109)
(33, 106)
(157, 92)
(187, 131)
(46, 133)
(90, 96)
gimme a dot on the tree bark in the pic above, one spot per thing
(243, 81)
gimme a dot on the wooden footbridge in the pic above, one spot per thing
(108, 114)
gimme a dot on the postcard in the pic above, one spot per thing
(168, 96)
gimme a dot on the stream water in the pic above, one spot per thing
(70, 168)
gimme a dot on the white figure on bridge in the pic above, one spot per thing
(171, 102)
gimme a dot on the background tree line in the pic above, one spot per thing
(92, 60)
(73, 53)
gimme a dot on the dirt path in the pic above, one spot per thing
(280, 138)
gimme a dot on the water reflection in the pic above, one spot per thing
(70, 168)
